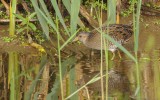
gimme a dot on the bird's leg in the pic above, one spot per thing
(113, 55)
(119, 54)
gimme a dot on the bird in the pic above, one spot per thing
(121, 33)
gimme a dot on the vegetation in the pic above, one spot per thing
(50, 72)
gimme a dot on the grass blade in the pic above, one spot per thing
(75, 6)
(111, 11)
(136, 37)
(42, 20)
(34, 82)
(68, 62)
(54, 3)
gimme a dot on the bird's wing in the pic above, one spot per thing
(120, 33)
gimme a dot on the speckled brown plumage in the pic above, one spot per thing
(119, 32)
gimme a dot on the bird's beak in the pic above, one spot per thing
(75, 39)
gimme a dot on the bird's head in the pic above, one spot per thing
(82, 36)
